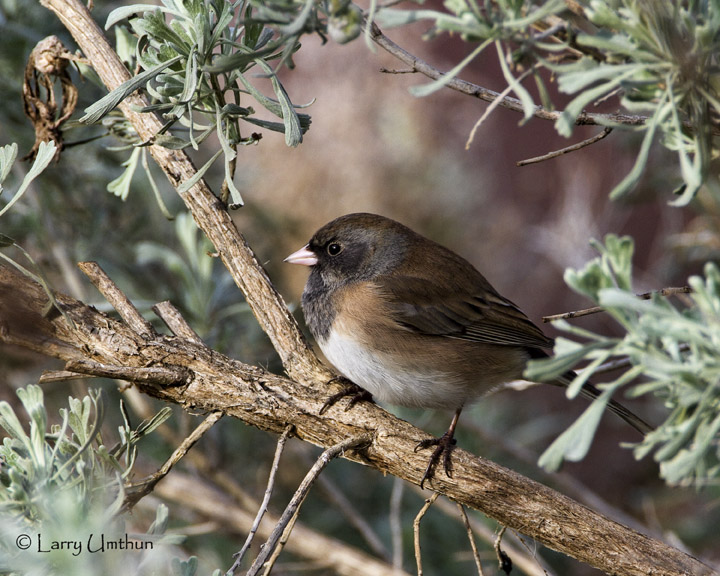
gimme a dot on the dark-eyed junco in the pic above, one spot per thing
(413, 323)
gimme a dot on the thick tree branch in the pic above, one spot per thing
(271, 402)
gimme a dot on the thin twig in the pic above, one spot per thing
(52, 376)
(471, 538)
(596, 309)
(281, 544)
(300, 495)
(606, 131)
(396, 524)
(384, 70)
(504, 562)
(138, 491)
(174, 320)
(493, 105)
(266, 499)
(117, 299)
(416, 530)
(528, 562)
(234, 515)
(342, 504)
(470, 89)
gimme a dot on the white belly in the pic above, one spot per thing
(390, 382)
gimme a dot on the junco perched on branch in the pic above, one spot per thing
(415, 324)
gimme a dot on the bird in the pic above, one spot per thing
(411, 323)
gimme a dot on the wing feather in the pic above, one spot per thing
(421, 306)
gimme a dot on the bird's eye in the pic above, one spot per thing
(334, 248)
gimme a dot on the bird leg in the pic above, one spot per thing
(443, 447)
(351, 389)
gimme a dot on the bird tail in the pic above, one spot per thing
(590, 392)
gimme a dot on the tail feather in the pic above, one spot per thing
(590, 392)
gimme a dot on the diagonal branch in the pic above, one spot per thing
(501, 99)
(207, 210)
(463, 86)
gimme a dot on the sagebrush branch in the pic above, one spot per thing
(418, 65)
(212, 382)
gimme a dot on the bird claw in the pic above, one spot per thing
(443, 447)
(351, 390)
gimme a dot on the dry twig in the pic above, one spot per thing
(266, 499)
(598, 309)
(299, 497)
(344, 506)
(416, 530)
(418, 65)
(141, 489)
(271, 402)
(471, 538)
(606, 132)
(504, 562)
(235, 510)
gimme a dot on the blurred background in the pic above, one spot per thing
(372, 147)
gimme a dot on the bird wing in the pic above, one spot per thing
(479, 315)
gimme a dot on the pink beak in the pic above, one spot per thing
(304, 256)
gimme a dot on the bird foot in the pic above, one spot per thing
(351, 390)
(443, 447)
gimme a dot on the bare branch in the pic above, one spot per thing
(530, 562)
(471, 538)
(266, 499)
(573, 148)
(416, 531)
(331, 554)
(116, 298)
(235, 509)
(174, 320)
(156, 375)
(598, 309)
(141, 489)
(344, 506)
(300, 495)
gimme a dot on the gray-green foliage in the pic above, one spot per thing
(202, 289)
(673, 352)
(8, 155)
(660, 58)
(198, 61)
(62, 483)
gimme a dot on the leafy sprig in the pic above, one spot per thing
(198, 63)
(659, 58)
(672, 352)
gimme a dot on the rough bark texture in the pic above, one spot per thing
(187, 373)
